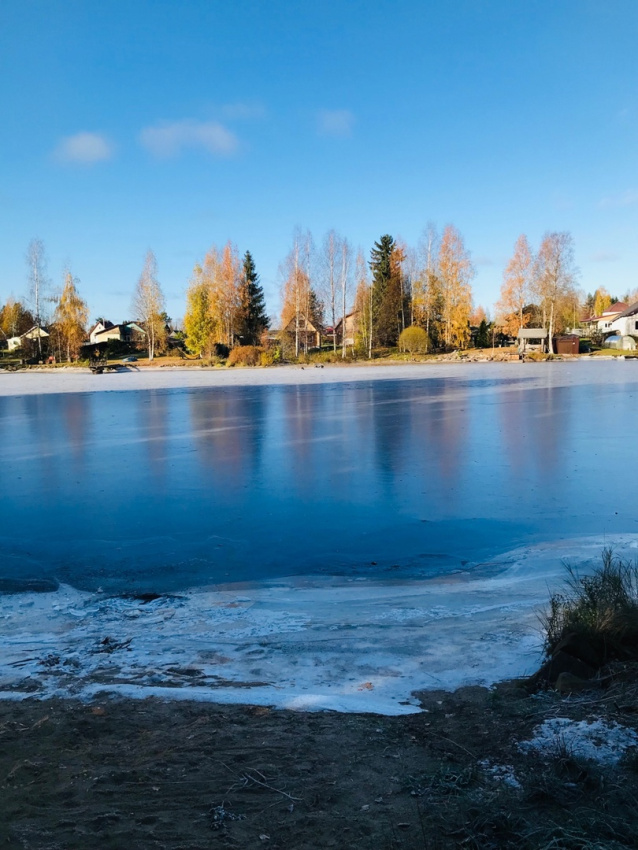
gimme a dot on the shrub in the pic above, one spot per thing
(601, 608)
(414, 340)
(245, 355)
(269, 357)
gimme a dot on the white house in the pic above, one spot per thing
(626, 324)
(18, 341)
(603, 323)
(126, 332)
(97, 329)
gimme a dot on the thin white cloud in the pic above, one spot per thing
(338, 123)
(626, 199)
(483, 261)
(84, 149)
(603, 257)
(243, 111)
(170, 139)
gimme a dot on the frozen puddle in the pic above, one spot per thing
(309, 644)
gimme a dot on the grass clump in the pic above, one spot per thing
(601, 609)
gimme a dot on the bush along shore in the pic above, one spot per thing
(548, 762)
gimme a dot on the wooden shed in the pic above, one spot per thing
(566, 344)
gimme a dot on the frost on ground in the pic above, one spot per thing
(599, 740)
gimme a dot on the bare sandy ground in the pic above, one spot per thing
(74, 380)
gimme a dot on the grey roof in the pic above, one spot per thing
(630, 311)
(532, 333)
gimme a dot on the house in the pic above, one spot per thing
(603, 323)
(309, 335)
(98, 327)
(126, 332)
(31, 335)
(532, 339)
(345, 330)
(626, 324)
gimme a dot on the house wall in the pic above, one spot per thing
(627, 326)
(104, 336)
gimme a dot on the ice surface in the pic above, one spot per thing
(307, 643)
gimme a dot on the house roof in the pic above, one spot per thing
(614, 310)
(304, 324)
(532, 333)
(348, 315)
(630, 311)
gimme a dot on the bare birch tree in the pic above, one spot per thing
(298, 296)
(328, 277)
(38, 282)
(555, 275)
(148, 303)
(345, 283)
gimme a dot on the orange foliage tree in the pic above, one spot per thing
(516, 288)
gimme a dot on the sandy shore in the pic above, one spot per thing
(476, 768)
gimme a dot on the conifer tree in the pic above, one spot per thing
(387, 296)
(253, 319)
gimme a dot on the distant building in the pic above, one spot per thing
(347, 328)
(603, 323)
(532, 339)
(126, 332)
(308, 333)
(34, 333)
(626, 324)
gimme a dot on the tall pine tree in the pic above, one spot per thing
(387, 297)
(254, 320)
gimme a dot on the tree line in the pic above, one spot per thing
(417, 298)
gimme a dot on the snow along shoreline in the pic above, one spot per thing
(350, 645)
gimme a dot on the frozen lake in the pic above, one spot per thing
(334, 538)
(166, 487)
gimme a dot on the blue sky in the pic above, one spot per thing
(175, 126)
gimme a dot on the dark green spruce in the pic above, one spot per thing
(254, 319)
(386, 293)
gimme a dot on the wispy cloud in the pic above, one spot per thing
(171, 138)
(625, 199)
(483, 261)
(338, 123)
(243, 111)
(84, 149)
(603, 257)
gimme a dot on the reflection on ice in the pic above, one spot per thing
(165, 489)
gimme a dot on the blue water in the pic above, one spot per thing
(164, 489)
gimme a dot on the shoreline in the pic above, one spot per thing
(307, 643)
(72, 380)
